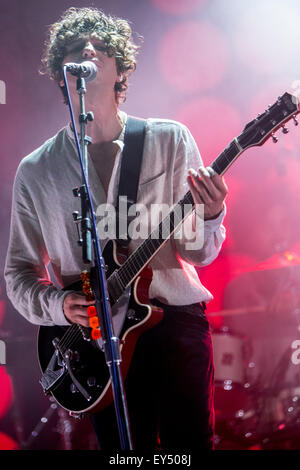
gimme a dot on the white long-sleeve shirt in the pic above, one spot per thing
(43, 231)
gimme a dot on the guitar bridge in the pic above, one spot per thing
(51, 376)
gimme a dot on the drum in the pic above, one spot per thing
(281, 400)
(231, 358)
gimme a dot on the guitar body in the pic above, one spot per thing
(87, 359)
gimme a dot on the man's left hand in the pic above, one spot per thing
(208, 190)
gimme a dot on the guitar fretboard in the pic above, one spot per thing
(226, 158)
(149, 247)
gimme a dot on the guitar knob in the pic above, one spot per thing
(284, 130)
(73, 388)
(295, 121)
(132, 315)
(274, 138)
(76, 356)
(91, 381)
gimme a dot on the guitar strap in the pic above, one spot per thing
(129, 176)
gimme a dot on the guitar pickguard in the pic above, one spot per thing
(118, 311)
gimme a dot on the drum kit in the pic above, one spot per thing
(257, 375)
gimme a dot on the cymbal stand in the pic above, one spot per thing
(40, 426)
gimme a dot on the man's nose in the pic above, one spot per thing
(88, 51)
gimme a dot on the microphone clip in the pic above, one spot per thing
(84, 118)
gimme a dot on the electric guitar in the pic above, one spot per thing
(73, 365)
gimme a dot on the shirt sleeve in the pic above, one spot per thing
(196, 241)
(28, 283)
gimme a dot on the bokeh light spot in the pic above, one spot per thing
(178, 7)
(193, 56)
(213, 123)
(266, 36)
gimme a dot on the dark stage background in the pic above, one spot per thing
(214, 65)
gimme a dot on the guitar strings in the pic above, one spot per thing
(139, 257)
(68, 338)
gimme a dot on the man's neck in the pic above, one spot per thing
(106, 125)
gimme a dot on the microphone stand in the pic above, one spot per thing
(89, 238)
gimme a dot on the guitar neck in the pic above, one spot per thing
(227, 157)
(158, 237)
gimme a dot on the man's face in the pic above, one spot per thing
(92, 49)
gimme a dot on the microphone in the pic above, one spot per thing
(87, 70)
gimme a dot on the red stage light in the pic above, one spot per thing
(227, 266)
(7, 443)
(193, 56)
(6, 387)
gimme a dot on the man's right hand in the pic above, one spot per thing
(75, 308)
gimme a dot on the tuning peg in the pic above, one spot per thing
(284, 130)
(274, 138)
(295, 120)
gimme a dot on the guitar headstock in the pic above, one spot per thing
(260, 129)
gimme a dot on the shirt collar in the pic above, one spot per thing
(119, 140)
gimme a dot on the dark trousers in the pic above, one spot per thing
(169, 386)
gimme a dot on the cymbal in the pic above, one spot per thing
(285, 259)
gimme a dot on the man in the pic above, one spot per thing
(169, 386)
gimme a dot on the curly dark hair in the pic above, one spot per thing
(115, 32)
